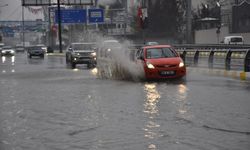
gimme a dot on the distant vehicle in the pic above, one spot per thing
(19, 48)
(161, 62)
(107, 46)
(35, 51)
(1, 46)
(50, 49)
(7, 51)
(43, 47)
(81, 53)
(108, 59)
(233, 40)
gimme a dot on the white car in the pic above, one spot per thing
(19, 48)
(7, 51)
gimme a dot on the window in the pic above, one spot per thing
(160, 53)
(236, 40)
(83, 46)
(139, 54)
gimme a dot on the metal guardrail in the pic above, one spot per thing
(211, 46)
(231, 57)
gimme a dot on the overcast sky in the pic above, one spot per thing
(14, 10)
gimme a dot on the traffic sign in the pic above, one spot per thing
(72, 16)
(54, 2)
(96, 15)
(8, 32)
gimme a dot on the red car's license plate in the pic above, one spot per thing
(167, 72)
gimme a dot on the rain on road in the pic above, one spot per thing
(45, 105)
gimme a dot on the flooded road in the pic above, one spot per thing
(45, 105)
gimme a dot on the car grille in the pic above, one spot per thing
(36, 52)
(86, 54)
(166, 66)
(8, 52)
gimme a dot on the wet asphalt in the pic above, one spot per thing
(46, 105)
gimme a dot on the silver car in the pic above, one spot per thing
(81, 53)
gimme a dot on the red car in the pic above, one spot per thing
(161, 62)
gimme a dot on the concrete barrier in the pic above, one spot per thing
(241, 75)
(56, 54)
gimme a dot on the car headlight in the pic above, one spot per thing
(44, 48)
(3, 52)
(93, 54)
(181, 64)
(150, 66)
(12, 52)
(76, 54)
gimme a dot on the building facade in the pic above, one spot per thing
(234, 20)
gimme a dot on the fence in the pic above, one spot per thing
(228, 57)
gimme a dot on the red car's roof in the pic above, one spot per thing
(157, 46)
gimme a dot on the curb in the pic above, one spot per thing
(56, 54)
(241, 75)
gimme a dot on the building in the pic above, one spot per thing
(235, 14)
(234, 20)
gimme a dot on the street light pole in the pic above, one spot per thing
(59, 25)
(189, 23)
(23, 26)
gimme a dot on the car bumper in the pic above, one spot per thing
(165, 73)
(7, 54)
(84, 60)
(36, 54)
(20, 50)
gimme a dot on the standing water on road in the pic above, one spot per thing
(46, 106)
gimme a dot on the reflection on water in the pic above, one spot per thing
(182, 102)
(151, 110)
(3, 59)
(152, 99)
(35, 61)
(13, 60)
(8, 61)
(76, 69)
(94, 71)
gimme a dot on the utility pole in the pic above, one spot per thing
(23, 26)
(189, 23)
(59, 25)
(49, 27)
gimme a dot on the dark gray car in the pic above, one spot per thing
(35, 51)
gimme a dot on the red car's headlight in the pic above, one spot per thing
(150, 66)
(181, 64)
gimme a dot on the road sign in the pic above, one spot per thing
(8, 32)
(96, 16)
(72, 16)
(54, 2)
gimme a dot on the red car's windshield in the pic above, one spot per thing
(164, 52)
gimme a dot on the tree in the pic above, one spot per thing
(166, 16)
